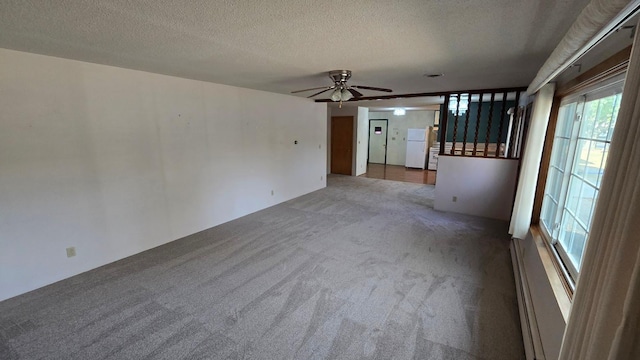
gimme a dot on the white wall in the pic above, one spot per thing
(483, 186)
(397, 135)
(115, 161)
(362, 147)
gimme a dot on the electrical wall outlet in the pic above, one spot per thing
(272, 192)
(454, 199)
(71, 251)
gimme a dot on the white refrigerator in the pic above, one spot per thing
(416, 148)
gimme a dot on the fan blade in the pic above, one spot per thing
(356, 94)
(298, 91)
(325, 90)
(371, 88)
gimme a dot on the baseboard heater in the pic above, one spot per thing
(530, 333)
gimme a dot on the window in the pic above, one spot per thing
(578, 160)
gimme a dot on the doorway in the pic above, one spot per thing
(378, 132)
(341, 145)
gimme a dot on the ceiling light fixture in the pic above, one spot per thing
(459, 104)
(341, 94)
(399, 112)
(346, 95)
(337, 95)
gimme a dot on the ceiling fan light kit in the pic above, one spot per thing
(337, 95)
(341, 95)
(342, 91)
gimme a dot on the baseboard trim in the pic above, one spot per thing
(530, 333)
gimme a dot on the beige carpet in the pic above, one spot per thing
(364, 269)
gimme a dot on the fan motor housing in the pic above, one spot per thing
(340, 76)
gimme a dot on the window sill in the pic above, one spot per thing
(559, 285)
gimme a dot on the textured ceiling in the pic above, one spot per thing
(286, 45)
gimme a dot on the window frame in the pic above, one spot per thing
(605, 88)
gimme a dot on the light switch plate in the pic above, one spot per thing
(71, 251)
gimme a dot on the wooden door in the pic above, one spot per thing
(341, 144)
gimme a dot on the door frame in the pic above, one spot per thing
(386, 140)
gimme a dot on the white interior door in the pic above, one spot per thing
(377, 141)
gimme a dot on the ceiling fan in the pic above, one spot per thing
(342, 91)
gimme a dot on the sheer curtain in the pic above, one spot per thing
(530, 165)
(605, 316)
